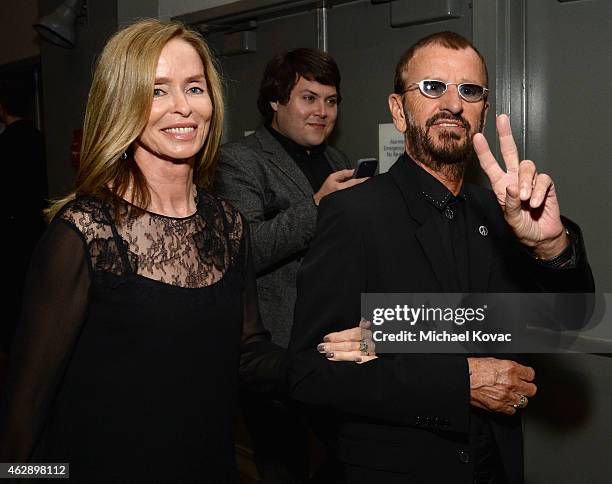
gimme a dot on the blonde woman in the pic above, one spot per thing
(140, 303)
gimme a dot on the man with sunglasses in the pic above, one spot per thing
(421, 229)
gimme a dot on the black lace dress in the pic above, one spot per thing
(127, 358)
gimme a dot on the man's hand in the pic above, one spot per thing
(498, 385)
(355, 344)
(338, 180)
(528, 198)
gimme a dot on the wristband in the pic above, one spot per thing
(563, 258)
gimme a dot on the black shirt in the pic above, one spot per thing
(311, 161)
(451, 211)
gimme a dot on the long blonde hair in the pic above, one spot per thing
(119, 106)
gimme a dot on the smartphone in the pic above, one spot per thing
(366, 167)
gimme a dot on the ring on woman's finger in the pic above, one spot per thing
(522, 403)
(363, 347)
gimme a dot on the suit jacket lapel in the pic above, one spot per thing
(428, 234)
(278, 157)
(335, 163)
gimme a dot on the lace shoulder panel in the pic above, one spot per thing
(190, 252)
(91, 217)
(225, 219)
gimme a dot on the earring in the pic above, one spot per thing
(124, 155)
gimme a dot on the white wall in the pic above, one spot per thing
(130, 10)
(171, 8)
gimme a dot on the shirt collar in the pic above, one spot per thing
(295, 150)
(434, 191)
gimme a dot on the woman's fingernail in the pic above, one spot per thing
(321, 348)
(326, 339)
(329, 355)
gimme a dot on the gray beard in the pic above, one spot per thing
(450, 159)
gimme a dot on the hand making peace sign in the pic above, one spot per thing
(527, 198)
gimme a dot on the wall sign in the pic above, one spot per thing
(390, 146)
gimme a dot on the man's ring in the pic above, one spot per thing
(363, 347)
(522, 403)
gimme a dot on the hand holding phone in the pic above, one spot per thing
(339, 180)
(366, 167)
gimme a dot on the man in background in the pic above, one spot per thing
(276, 177)
(24, 176)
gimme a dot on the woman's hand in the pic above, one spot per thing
(355, 344)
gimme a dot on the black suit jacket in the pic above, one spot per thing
(405, 413)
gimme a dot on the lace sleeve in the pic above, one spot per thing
(263, 365)
(54, 307)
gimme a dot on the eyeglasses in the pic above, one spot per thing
(434, 89)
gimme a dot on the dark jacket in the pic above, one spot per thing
(405, 413)
(261, 179)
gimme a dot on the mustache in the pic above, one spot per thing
(448, 117)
